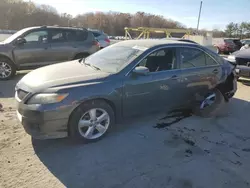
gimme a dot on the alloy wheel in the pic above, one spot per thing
(5, 70)
(94, 123)
(208, 101)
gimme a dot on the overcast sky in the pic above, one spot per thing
(215, 13)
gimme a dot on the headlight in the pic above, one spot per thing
(231, 57)
(47, 98)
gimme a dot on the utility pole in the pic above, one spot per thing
(199, 17)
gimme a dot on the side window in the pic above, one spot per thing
(81, 35)
(75, 36)
(192, 58)
(70, 36)
(57, 36)
(36, 37)
(210, 61)
(161, 60)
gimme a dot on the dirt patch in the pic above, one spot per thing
(194, 152)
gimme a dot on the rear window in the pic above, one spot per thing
(96, 34)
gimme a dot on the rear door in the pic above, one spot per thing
(200, 72)
(83, 42)
(61, 48)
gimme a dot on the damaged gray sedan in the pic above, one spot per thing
(85, 98)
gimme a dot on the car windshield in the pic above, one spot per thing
(111, 59)
(14, 36)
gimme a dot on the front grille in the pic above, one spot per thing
(21, 94)
(242, 61)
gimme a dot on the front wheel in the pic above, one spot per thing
(91, 121)
(210, 105)
(7, 69)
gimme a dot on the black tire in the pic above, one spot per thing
(77, 114)
(11, 65)
(214, 109)
(80, 56)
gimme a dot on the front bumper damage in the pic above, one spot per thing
(40, 122)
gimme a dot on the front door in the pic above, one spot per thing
(159, 90)
(35, 51)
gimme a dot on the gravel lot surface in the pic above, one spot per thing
(195, 152)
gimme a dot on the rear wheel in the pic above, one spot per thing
(7, 69)
(211, 104)
(91, 121)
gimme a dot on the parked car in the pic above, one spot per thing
(38, 46)
(245, 41)
(84, 98)
(228, 45)
(102, 37)
(242, 59)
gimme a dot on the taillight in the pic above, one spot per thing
(96, 43)
(107, 40)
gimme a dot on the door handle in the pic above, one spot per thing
(174, 77)
(215, 71)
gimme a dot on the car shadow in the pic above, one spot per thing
(7, 88)
(133, 148)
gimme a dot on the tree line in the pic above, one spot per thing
(17, 14)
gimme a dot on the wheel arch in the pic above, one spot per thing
(226, 86)
(109, 102)
(6, 57)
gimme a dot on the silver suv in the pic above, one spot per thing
(34, 47)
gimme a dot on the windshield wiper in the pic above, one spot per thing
(88, 64)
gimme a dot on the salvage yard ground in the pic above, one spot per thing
(194, 152)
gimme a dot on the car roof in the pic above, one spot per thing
(55, 27)
(149, 43)
(181, 39)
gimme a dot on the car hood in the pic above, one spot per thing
(60, 75)
(242, 53)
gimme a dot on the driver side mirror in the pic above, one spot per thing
(20, 41)
(141, 70)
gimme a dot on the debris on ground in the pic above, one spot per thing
(1, 107)
(188, 141)
(189, 151)
(246, 149)
(236, 153)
